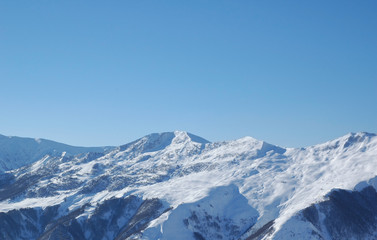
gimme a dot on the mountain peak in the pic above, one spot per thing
(353, 138)
(158, 141)
(182, 136)
(249, 139)
(361, 134)
(348, 140)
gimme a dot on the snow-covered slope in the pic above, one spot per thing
(180, 186)
(16, 152)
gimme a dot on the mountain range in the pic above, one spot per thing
(176, 185)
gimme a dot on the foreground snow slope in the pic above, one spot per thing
(190, 188)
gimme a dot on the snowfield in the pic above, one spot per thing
(179, 186)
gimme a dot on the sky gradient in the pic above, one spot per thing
(292, 73)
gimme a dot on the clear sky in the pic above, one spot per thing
(292, 73)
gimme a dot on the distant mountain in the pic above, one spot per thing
(16, 152)
(176, 185)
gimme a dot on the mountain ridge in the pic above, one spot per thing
(16, 152)
(170, 175)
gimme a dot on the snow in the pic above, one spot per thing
(268, 182)
(223, 205)
(6, 206)
(16, 152)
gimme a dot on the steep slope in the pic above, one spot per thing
(343, 214)
(16, 152)
(190, 188)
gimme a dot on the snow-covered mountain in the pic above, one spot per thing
(16, 152)
(179, 186)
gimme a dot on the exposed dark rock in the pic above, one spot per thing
(96, 185)
(263, 231)
(148, 210)
(116, 218)
(25, 223)
(348, 214)
(198, 236)
(19, 186)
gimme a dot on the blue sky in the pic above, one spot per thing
(293, 73)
